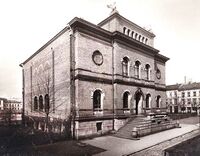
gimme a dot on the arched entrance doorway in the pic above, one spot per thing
(139, 96)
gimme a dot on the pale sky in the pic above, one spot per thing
(26, 25)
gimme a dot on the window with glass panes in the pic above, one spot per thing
(183, 94)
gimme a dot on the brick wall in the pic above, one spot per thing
(37, 74)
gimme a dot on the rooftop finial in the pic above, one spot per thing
(113, 7)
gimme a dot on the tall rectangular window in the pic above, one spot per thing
(183, 94)
(194, 101)
(125, 66)
(189, 101)
(183, 101)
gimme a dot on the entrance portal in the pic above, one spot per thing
(138, 102)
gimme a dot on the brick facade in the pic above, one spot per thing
(85, 73)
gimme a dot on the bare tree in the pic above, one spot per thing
(7, 116)
(44, 89)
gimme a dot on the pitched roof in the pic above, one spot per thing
(173, 87)
(13, 101)
(182, 87)
(190, 86)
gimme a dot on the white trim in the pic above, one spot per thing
(102, 98)
(150, 99)
(129, 97)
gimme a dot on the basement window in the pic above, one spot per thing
(99, 126)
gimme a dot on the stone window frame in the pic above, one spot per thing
(99, 126)
(100, 109)
(189, 101)
(125, 66)
(41, 103)
(194, 93)
(124, 30)
(188, 94)
(35, 103)
(95, 53)
(137, 69)
(183, 94)
(148, 71)
(149, 102)
(129, 96)
(158, 101)
(47, 103)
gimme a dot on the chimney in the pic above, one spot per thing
(185, 80)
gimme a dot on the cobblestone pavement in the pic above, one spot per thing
(158, 150)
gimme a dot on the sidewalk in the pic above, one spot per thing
(118, 146)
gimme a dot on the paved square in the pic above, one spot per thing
(119, 146)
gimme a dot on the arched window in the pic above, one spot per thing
(128, 32)
(137, 69)
(139, 38)
(158, 100)
(147, 68)
(40, 102)
(124, 30)
(47, 105)
(146, 40)
(35, 103)
(97, 100)
(125, 66)
(126, 99)
(148, 100)
(136, 35)
(132, 34)
(142, 39)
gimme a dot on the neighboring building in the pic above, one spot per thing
(93, 78)
(10, 110)
(2, 103)
(183, 97)
(13, 105)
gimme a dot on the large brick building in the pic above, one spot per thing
(95, 76)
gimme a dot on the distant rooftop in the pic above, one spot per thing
(173, 87)
(182, 87)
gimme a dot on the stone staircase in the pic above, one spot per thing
(126, 130)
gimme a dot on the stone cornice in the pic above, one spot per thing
(161, 58)
(95, 31)
(132, 43)
(118, 81)
(78, 24)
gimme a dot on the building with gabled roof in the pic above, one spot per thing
(91, 79)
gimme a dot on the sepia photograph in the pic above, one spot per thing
(100, 77)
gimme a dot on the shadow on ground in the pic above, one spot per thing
(18, 140)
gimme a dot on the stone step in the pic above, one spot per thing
(126, 130)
